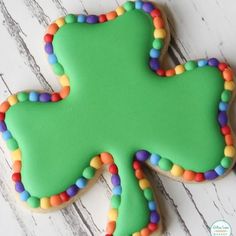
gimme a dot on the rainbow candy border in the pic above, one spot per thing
(160, 36)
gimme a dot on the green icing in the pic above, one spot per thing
(117, 104)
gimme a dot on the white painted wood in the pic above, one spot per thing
(199, 29)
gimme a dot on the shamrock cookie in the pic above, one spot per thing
(118, 107)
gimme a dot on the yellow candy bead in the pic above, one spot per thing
(60, 22)
(16, 155)
(144, 183)
(112, 214)
(177, 171)
(96, 162)
(229, 85)
(120, 11)
(179, 69)
(160, 33)
(229, 151)
(64, 81)
(12, 100)
(136, 234)
(45, 203)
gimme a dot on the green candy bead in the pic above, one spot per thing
(33, 202)
(190, 65)
(70, 19)
(226, 95)
(128, 6)
(89, 172)
(165, 164)
(115, 201)
(58, 69)
(22, 97)
(12, 144)
(226, 162)
(148, 194)
(158, 44)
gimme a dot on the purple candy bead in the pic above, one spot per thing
(154, 64)
(3, 126)
(154, 217)
(115, 179)
(19, 187)
(213, 62)
(148, 7)
(92, 19)
(142, 155)
(210, 175)
(48, 48)
(72, 190)
(45, 97)
(222, 118)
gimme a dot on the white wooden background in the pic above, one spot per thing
(199, 28)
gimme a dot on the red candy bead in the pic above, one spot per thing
(102, 18)
(161, 72)
(113, 169)
(225, 130)
(222, 66)
(2, 116)
(136, 165)
(48, 38)
(55, 97)
(156, 12)
(16, 177)
(152, 227)
(199, 177)
(64, 197)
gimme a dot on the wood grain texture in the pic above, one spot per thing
(198, 30)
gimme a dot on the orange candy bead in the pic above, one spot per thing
(111, 15)
(111, 226)
(4, 107)
(16, 167)
(228, 74)
(106, 158)
(52, 29)
(189, 175)
(170, 73)
(55, 200)
(139, 174)
(229, 140)
(65, 92)
(158, 22)
(145, 232)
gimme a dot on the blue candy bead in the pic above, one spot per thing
(81, 18)
(223, 106)
(138, 5)
(7, 135)
(154, 53)
(220, 170)
(33, 96)
(24, 196)
(152, 206)
(154, 159)
(117, 190)
(202, 63)
(52, 59)
(81, 183)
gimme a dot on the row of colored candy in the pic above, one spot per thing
(147, 7)
(145, 186)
